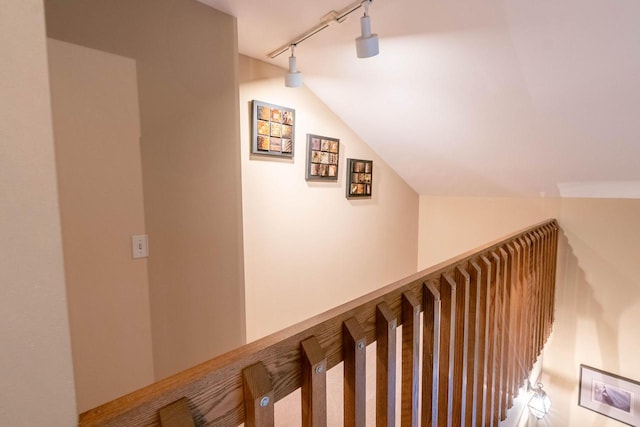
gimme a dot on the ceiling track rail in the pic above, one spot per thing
(333, 17)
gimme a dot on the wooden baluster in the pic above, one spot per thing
(522, 306)
(541, 281)
(514, 321)
(410, 360)
(504, 337)
(538, 287)
(430, 354)
(473, 340)
(526, 320)
(314, 384)
(474, 361)
(386, 324)
(554, 263)
(496, 326)
(523, 373)
(484, 406)
(461, 350)
(535, 297)
(550, 255)
(552, 272)
(355, 352)
(447, 339)
(176, 414)
(258, 396)
(514, 326)
(546, 231)
(521, 370)
(543, 284)
(543, 291)
(530, 302)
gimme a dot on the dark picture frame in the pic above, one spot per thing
(273, 130)
(323, 158)
(359, 178)
(610, 395)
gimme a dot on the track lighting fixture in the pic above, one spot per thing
(367, 43)
(293, 77)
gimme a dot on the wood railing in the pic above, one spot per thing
(485, 317)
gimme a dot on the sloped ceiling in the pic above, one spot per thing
(488, 98)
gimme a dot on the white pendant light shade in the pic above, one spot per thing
(367, 43)
(293, 77)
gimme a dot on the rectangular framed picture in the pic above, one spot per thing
(610, 395)
(273, 129)
(359, 178)
(323, 155)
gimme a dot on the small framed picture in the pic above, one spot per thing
(323, 155)
(273, 129)
(359, 178)
(610, 395)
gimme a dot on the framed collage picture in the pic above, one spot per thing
(610, 395)
(323, 155)
(359, 178)
(273, 130)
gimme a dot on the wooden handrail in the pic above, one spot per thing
(487, 314)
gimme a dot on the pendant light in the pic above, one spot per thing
(367, 43)
(293, 77)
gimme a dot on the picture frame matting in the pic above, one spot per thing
(610, 395)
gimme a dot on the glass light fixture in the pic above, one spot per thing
(540, 403)
(293, 77)
(367, 43)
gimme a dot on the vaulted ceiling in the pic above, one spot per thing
(487, 98)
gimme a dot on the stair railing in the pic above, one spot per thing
(483, 318)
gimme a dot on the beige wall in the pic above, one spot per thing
(97, 140)
(597, 303)
(598, 294)
(186, 56)
(308, 248)
(450, 226)
(36, 376)
(191, 169)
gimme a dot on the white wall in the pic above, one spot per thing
(36, 374)
(308, 248)
(97, 140)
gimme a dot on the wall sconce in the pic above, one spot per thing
(540, 403)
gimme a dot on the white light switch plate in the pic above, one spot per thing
(140, 245)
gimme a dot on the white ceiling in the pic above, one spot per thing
(486, 98)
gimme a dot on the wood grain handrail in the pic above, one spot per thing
(214, 389)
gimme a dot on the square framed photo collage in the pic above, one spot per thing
(273, 134)
(323, 155)
(273, 130)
